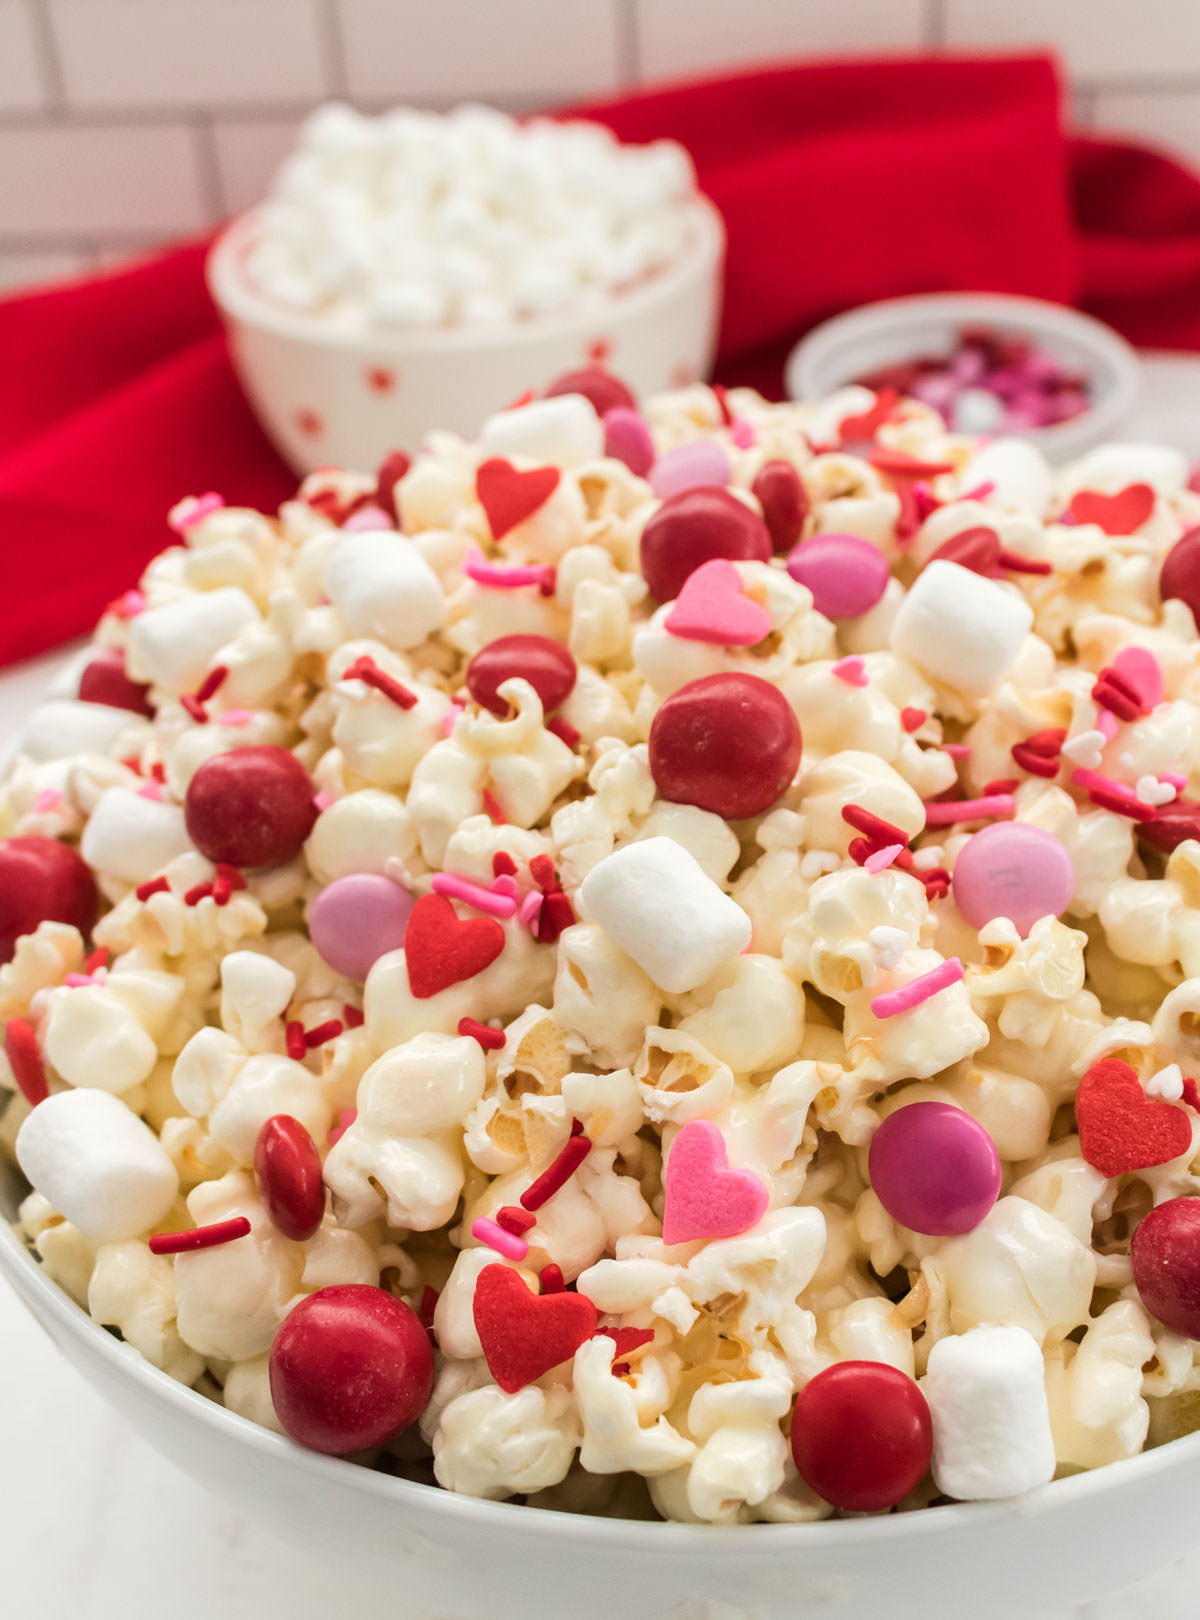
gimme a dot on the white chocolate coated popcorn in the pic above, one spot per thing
(590, 967)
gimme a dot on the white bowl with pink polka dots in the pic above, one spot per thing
(332, 397)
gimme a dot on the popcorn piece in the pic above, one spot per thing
(656, 903)
(960, 628)
(991, 1422)
(96, 1163)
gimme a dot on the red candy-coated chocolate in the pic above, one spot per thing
(727, 743)
(250, 807)
(547, 666)
(694, 527)
(781, 494)
(288, 1168)
(104, 681)
(600, 388)
(42, 880)
(350, 1368)
(861, 1435)
(1181, 572)
(1166, 1264)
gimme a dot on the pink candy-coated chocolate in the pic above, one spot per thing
(699, 465)
(845, 574)
(1013, 870)
(357, 919)
(627, 439)
(367, 518)
(934, 1169)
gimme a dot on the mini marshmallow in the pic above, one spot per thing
(1017, 470)
(133, 838)
(64, 728)
(564, 430)
(383, 587)
(655, 901)
(174, 645)
(98, 1164)
(960, 628)
(991, 1420)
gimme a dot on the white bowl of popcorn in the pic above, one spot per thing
(415, 271)
(629, 926)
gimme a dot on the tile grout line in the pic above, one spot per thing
(332, 38)
(934, 25)
(204, 144)
(49, 59)
(629, 54)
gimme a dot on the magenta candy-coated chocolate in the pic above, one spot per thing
(1011, 869)
(934, 1169)
(627, 439)
(700, 465)
(357, 919)
(846, 575)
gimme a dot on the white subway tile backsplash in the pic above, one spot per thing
(1168, 120)
(21, 86)
(248, 154)
(1096, 39)
(77, 181)
(439, 50)
(24, 271)
(188, 53)
(679, 37)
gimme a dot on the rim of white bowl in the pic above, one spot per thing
(40, 1293)
(240, 301)
(811, 367)
(30, 1281)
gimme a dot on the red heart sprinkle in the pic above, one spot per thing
(509, 496)
(626, 1341)
(866, 426)
(441, 949)
(1122, 513)
(1120, 1128)
(524, 1334)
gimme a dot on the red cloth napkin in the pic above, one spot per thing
(839, 183)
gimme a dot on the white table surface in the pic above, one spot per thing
(94, 1524)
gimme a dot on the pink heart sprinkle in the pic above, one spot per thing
(852, 670)
(1142, 670)
(711, 607)
(704, 1197)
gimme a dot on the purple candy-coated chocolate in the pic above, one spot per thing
(627, 439)
(1011, 869)
(934, 1169)
(357, 919)
(846, 575)
(690, 466)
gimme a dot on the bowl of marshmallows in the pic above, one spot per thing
(417, 270)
